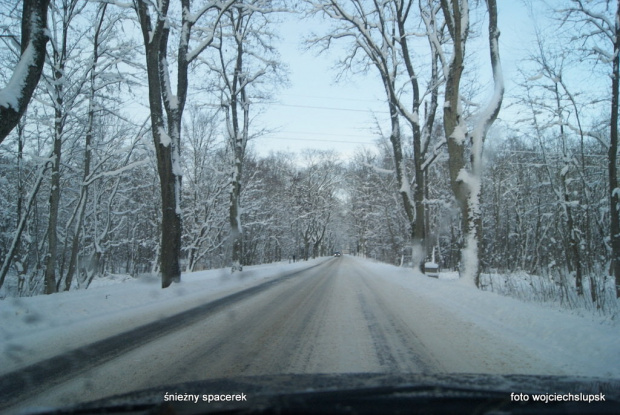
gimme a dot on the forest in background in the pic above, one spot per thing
(84, 180)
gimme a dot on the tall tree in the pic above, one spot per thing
(83, 199)
(64, 91)
(465, 176)
(557, 106)
(246, 67)
(166, 107)
(205, 188)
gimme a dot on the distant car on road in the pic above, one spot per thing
(337, 254)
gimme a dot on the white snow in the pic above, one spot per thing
(119, 4)
(164, 137)
(405, 187)
(12, 93)
(572, 344)
(469, 258)
(459, 135)
(536, 77)
(378, 169)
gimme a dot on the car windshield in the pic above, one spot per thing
(299, 196)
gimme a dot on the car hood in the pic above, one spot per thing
(368, 393)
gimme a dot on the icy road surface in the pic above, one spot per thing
(343, 315)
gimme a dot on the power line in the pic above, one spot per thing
(318, 133)
(317, 107)
(328, 108)
(331, 98)
(548, 153)
(318, 140)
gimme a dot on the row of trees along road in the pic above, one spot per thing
(80, 197)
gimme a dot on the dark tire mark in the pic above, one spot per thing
(398, 348)
(22, 383)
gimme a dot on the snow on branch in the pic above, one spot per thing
(114, 3)
(115, 173)
(12, 94)
(489, 114)
(208, 40)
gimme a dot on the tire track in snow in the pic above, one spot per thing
(398, 348)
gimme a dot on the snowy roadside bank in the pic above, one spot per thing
(36, 328)
(580, 345)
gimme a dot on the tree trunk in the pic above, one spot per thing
(54, 203)
(54, 199)
(404, 188)
(83, 200)
(236, 233)
(14, 98)
(419, 226)
(155, 36)
(453, 125)
(155, 33)
(466, 183)
(171, 222)
(238, 119)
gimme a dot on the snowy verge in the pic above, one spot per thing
(579, 345)
(36, 328)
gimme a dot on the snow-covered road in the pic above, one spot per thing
(343, 316)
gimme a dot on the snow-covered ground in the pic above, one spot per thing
(39, 327)
(581, 345)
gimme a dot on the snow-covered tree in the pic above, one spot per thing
(598, 36)
(196, 23)
(464, 145)
(245, 66)
(313, 190)
(80, 88)
(205, 189)
(377, 230)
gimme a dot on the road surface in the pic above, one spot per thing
(336, 317)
